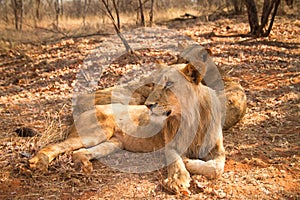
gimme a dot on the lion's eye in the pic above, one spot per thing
(169, 84)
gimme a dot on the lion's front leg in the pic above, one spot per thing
(178, 180)
(211, 169)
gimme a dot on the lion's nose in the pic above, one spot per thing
(150, 106)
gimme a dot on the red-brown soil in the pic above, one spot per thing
(263, 150)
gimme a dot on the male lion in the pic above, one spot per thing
(227, 89)
(191, 131)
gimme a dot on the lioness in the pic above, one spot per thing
(191, 131)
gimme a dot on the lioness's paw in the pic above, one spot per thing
(81, 162)
(85, 166)
(178, 183)
(39, 162)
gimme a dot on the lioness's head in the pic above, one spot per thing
(174, 89)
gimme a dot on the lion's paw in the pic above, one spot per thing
(82, 162)
(39, 162)
(178, 183)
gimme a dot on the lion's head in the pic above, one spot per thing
(192, 109)
(171, 83)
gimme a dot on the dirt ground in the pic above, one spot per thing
(263, 150)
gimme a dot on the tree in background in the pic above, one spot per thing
(118, 25)
(18, 9)
(4, 9)
(37, 12)
(238, 6)
(109, 10)
(290, 3)
(141, 9)
(42, 13)
(57, 12)
(142, 6)
(86, 6)
(151, 15)
(262, 29)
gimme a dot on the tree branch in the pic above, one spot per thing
(117, 29)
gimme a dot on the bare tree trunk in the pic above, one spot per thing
(6, 19)
(57, 11)
(15, 10)
(85, 9)
(61, 7)
(142, 13)
(37, 12)
(269, 5)
(110, 14)
(276, 4)
(21, 13)
(252, 16)
(18, 9)
(78, 8)
(290, 3)
(267, 8)
(261, 30)
(238, 6)
(151, 13)
(117, 29)
(116, 7)
(137, 16)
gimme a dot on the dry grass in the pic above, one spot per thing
(55, 130)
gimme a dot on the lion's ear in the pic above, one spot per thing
(192, 74)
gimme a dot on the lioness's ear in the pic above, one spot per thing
(192, 74)
(209, 51)
(160, 64)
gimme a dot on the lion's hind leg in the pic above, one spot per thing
(42, 159)
(82, 157)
